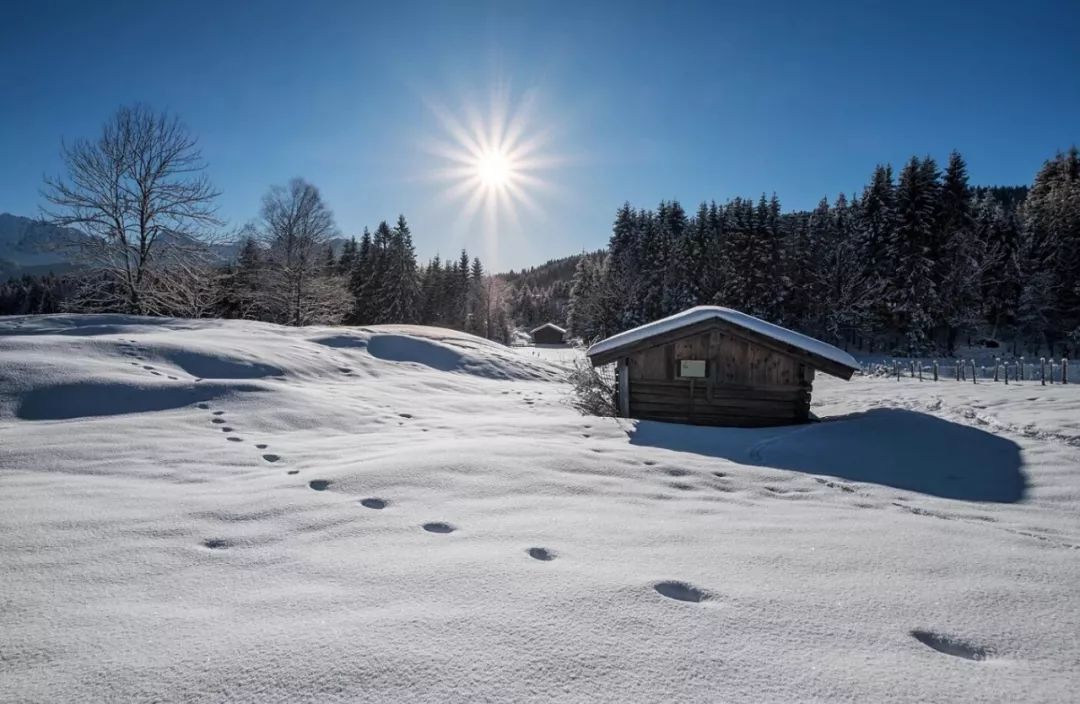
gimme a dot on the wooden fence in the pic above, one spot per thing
(1043, 371)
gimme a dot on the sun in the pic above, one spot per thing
(493, 164)
(494, 169)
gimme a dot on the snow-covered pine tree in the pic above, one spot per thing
(461, 292)
(653, 265)
(1052, 214)
(581, 316)
(373, 288)
(399, 290)
(431, 293)
(676, 282)
(478, 303)
(998, 236)
(358, 277)
(621, 276)
(960, 256)
(913, 296)
(874, 232)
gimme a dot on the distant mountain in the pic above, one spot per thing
(29, 246)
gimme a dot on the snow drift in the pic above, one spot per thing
(209, 511)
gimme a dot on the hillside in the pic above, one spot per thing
(201, 510)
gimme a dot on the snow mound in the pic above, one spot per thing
(442, 350)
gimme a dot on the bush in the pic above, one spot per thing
(594, 389)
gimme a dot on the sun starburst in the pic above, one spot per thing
(493, 164)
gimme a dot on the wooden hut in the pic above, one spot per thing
(548, 334)
(716, 366)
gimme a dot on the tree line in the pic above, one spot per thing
(140, 193)
(911, 265)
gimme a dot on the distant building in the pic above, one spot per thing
(548, 334)
(716, 366)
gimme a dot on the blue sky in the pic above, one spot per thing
(627, 101)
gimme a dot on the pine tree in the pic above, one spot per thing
(398, 294)
(959, 259)
(913, 294)
(1052, 231)
(581, 317)
(371, 297)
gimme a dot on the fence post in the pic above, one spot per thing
(935, 370)
(920, 371)
(1021, 368)
(959, 369)
(912, 367)
(997, 363)
(1064, 370)
(1042, 370)
(896, 366)
(1006, 370)
(974, 376)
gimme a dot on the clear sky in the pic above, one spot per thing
(620, 101)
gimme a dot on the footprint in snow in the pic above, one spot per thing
(542, 554)
(681, 591)
(218, 413)
(217, 543)
(226, 429)
(219, 421)
(677, 472)
(439, 527)
(261, 446)
(293, 471)
(405, 415)
(233, 438)
(951, 646)
(204, 406)
(271, 458)
(373, 503)
(319, 484)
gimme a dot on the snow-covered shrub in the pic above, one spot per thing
(594, 391)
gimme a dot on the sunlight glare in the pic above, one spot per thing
(494, 169)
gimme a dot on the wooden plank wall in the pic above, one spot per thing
(746, 384)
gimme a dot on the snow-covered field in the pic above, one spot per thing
(226, 511)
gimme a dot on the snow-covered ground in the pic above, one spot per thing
(228, 511)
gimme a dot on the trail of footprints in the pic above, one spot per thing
(670, 589)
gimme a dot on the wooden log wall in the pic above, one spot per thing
(746, 384)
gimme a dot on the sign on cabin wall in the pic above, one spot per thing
(692, 368)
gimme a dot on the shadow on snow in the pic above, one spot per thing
(894, 447)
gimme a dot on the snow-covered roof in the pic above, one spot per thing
(700, 314)
(553, 326)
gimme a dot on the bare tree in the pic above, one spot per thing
(140, 193)
(297, 227)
